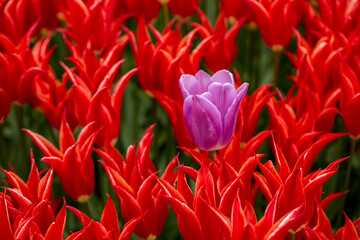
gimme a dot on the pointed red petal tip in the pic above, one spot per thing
(188, 222)
(56, 229)
(47, 148)
(349, 229)
(66, 136)
(6, 230)
(130, 226)
(330, 198)
(109, 217)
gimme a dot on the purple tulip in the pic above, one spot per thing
(211, 105)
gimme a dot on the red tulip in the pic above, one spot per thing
(35, 189)
(93, 26)
(53, 99)
(293, 201)
(134, 182)
(349, 231)
(339, 15)
(350, 100)
(207, 213)
(162, 64)
(20, 66)
(33, 222)
(322, 111)
(94, 71)
(56, 229)
(149, 9)
(108, 227)
(72, 157)
(91, 99)
(238, 9)
(184, 8)
(294, 131)
(222, 48)
(29, 203)
(6, 226)
(17, 20)
(318, 66)
(15, 25)
(276, 20)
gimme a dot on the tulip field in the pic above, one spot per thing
(179, 119)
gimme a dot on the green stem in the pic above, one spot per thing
(292, 236)
(277, 57)
(204, 7)
(135, 125)
(19, 112)
(155, 146)
(347, 181)
(349, 166)
(53, 136)
(252, 51)
(3, 147)
(166, 14)
(212, 155)
(86, 209)
(171, 143)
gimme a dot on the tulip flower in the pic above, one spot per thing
(162, 64)
(349, 100)
(222, 48)
(207, 213)
(93, 25)
(35, 189)
(90, 99)
(349, 231)
(107, 228)
(134, 182)
(210, 107)
(27, 209)
(16, 19)
(73, 156)
(287, 191)
(148, 8)
(318, 66)
(183, 8)
(34, 222)
(20, 66)
(339, 15)
(237, 9)
(276, 20)
(297, 122)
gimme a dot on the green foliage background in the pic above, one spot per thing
(255, 65)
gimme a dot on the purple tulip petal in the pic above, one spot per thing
(210, 107)
(188, 85)
(222, 96)
(203, 121)
(223, 76)
(203, 79)
(231, 115)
